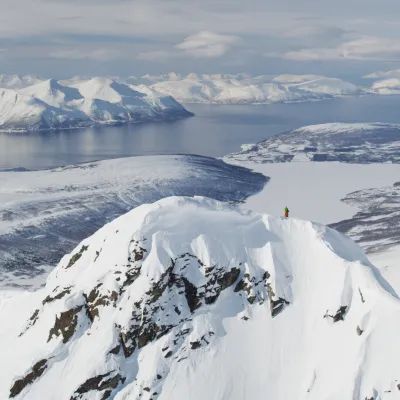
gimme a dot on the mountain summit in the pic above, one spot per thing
(190, 298)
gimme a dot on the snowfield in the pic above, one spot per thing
(358, 143)
(45, 214)
(50, 105)
(191, 298)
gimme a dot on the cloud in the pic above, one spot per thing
(81, 54)
(383, 74)
(316, 30)
(158, 55)
(206, 44)
(363, 48)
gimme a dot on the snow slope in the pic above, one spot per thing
(190, 298)
(44, 214)
(51, 105)
(354, 143)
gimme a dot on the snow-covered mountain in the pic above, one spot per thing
(353, 143)
(190, 298)
(18, 82)
(51, 105)
(262, 89)
(45, 214)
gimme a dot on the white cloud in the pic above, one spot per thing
(81, 54)
(383, 74)
(206, 44)
(363, 48)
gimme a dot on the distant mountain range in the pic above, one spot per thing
(49, 104)
(29, 103)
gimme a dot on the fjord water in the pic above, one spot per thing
(216, 130)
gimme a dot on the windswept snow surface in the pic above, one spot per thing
(352, 143)
(44, 214)
(189, 298)
(52, 105)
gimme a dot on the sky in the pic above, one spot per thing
(64, 38)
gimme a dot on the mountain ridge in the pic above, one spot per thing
(190, 297)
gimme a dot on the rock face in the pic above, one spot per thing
(192, 298)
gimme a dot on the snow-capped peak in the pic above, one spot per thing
(191, 298)
(51, 92)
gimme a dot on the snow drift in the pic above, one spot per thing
(190, 298)
(51, 105)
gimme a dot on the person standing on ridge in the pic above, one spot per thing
(286, 212)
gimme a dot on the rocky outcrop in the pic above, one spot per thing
(35, 373)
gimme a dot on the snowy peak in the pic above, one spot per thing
(191, 284)
(106, 89)
(52, 93)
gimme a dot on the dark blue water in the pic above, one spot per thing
(214, 131)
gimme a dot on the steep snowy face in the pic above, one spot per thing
(354, 143)
(190, 298)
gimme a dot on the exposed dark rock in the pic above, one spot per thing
(276, 306)
(115, 350)
(138, 253)
(76, 257)
(245, 318)
(191, 295)
(169, 354)
(177, 310)
(95, 299)
(59, 296)
(195, 345)
(66, 324)
(35, 373)
(99, 383)
(32, 321)
(361, 295)
(159, 376)
(339, 316)
(359, 331)
(97, 255)
(147, 389)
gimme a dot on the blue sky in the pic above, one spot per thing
(61, 38)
